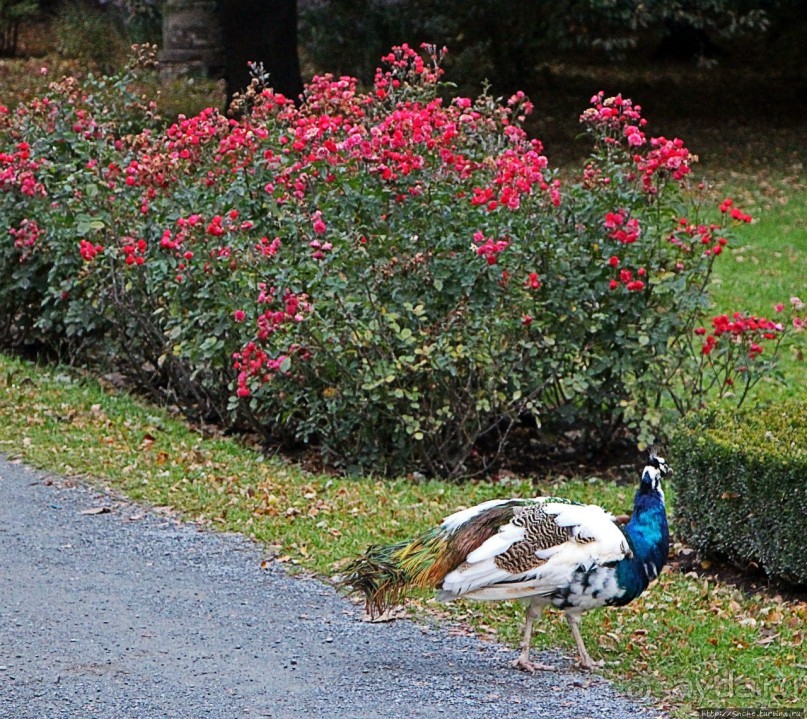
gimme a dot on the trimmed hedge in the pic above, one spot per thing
(741, 487)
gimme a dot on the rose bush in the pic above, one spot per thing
(59, 158)
(396, 277)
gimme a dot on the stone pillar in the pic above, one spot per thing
(192, 39)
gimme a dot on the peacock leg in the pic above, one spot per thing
(586, 662)
(523, 662)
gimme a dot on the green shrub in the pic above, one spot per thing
(741, 487)
(395, 278)
(53, 150)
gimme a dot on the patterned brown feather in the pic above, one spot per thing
(540, 532)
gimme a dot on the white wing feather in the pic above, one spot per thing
(500, 542)
(454, 521)
(479, 577)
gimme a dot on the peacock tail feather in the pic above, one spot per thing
(385, 572)
(378, 577)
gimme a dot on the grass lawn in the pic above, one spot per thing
(769, 265)
(688, 642)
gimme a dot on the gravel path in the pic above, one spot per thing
(129, 614)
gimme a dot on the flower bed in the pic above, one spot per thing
(397, 277)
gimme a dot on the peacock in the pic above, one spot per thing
(543, 550)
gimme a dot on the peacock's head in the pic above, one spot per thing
(654, 470)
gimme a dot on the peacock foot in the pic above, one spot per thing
(589, 665)
(524, 664)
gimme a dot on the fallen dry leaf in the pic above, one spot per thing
(96, 510)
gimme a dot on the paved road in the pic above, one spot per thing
(133, 615)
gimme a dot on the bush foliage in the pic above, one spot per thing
(396, 278)
(740, 490)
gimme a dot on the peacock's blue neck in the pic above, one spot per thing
(649, 539)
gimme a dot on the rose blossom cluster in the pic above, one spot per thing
(407, 66)
(621, 227)
(19, 170)
(488, 247)
(26, 236)
(88, 250)
(618, 116)
(688, 235)
(740, 328)
(617, 119)
(727, 206)
(666, 158)
(797, 305)
(254, 365)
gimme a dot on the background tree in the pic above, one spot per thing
(12, 15)
(222, 38)
(508, 43)
(264, 33)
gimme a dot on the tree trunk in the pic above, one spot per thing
(265, 32)
(192, 43)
